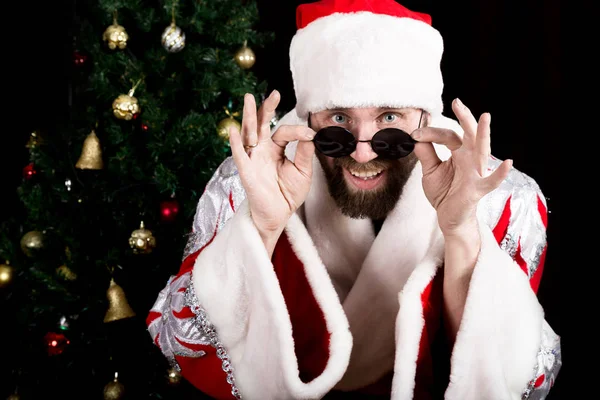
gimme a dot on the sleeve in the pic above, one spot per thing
(241, 325)
(176, 322)
(505, 348)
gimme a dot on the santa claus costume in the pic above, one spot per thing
(338, 307)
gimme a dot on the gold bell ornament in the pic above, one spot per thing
(114, 390)
(141, 240)
(245, 57)
(35, 140)
(32, 243)
(115, 35)
(227, 123)
(118, 306)
(64, 271)
(91, 153)
(126, 106)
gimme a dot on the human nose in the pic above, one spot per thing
(364, 152)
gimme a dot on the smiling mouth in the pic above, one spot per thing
(365, 180)
(365, 175)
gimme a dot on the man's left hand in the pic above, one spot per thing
(455, 186)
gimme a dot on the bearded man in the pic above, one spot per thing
(367, 246)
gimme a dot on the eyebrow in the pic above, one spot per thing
(379, 109)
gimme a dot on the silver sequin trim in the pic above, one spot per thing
(214, 208)
(549, 362)
(525, 227)
(509, 244)
(169, 331)
(204, 324)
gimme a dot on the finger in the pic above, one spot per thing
(483, 141)
(467, 122)
(304, 157)
(249, 122)
(237, 148)
(290, 133)
(447, 137)
(266, 112)
(426, 154)
(495, 179)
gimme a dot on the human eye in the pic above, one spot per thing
(339, 118)
(389, 118)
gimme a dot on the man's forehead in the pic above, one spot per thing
(362, 110)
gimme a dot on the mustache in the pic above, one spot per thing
(350, 163)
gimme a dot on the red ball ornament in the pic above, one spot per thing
(29, 171)
(79, 59)
(169, 209)
(56, 343)
(144, 127)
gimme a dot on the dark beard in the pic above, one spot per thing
(375, 204)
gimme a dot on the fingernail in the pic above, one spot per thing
(416, 134)
(487, 117)
(459, 103)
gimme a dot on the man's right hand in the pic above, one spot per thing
(275, 186)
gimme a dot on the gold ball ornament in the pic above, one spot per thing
(115, 36)
(114, 390)
(126, 106)
(245, 57)
(174, 376)
(226, 124)
(142, 241)
(173, 38)
(32, 243)
(6, 274)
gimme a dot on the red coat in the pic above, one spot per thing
(337, 308)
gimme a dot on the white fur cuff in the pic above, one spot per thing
(236, 284)
(496, 347)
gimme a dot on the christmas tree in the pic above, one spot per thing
(110, 194)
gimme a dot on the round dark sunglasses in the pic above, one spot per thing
(388, 143)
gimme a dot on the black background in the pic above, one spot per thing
(500, 57)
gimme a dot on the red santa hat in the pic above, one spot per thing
(365, 53)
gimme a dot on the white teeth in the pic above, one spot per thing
(364, 174)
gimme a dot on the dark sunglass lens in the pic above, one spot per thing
(392, 143)
(335, 141)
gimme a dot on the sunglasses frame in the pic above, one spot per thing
(383, 154)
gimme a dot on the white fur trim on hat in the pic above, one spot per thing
(363, 59)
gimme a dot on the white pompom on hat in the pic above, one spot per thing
(365, 53)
